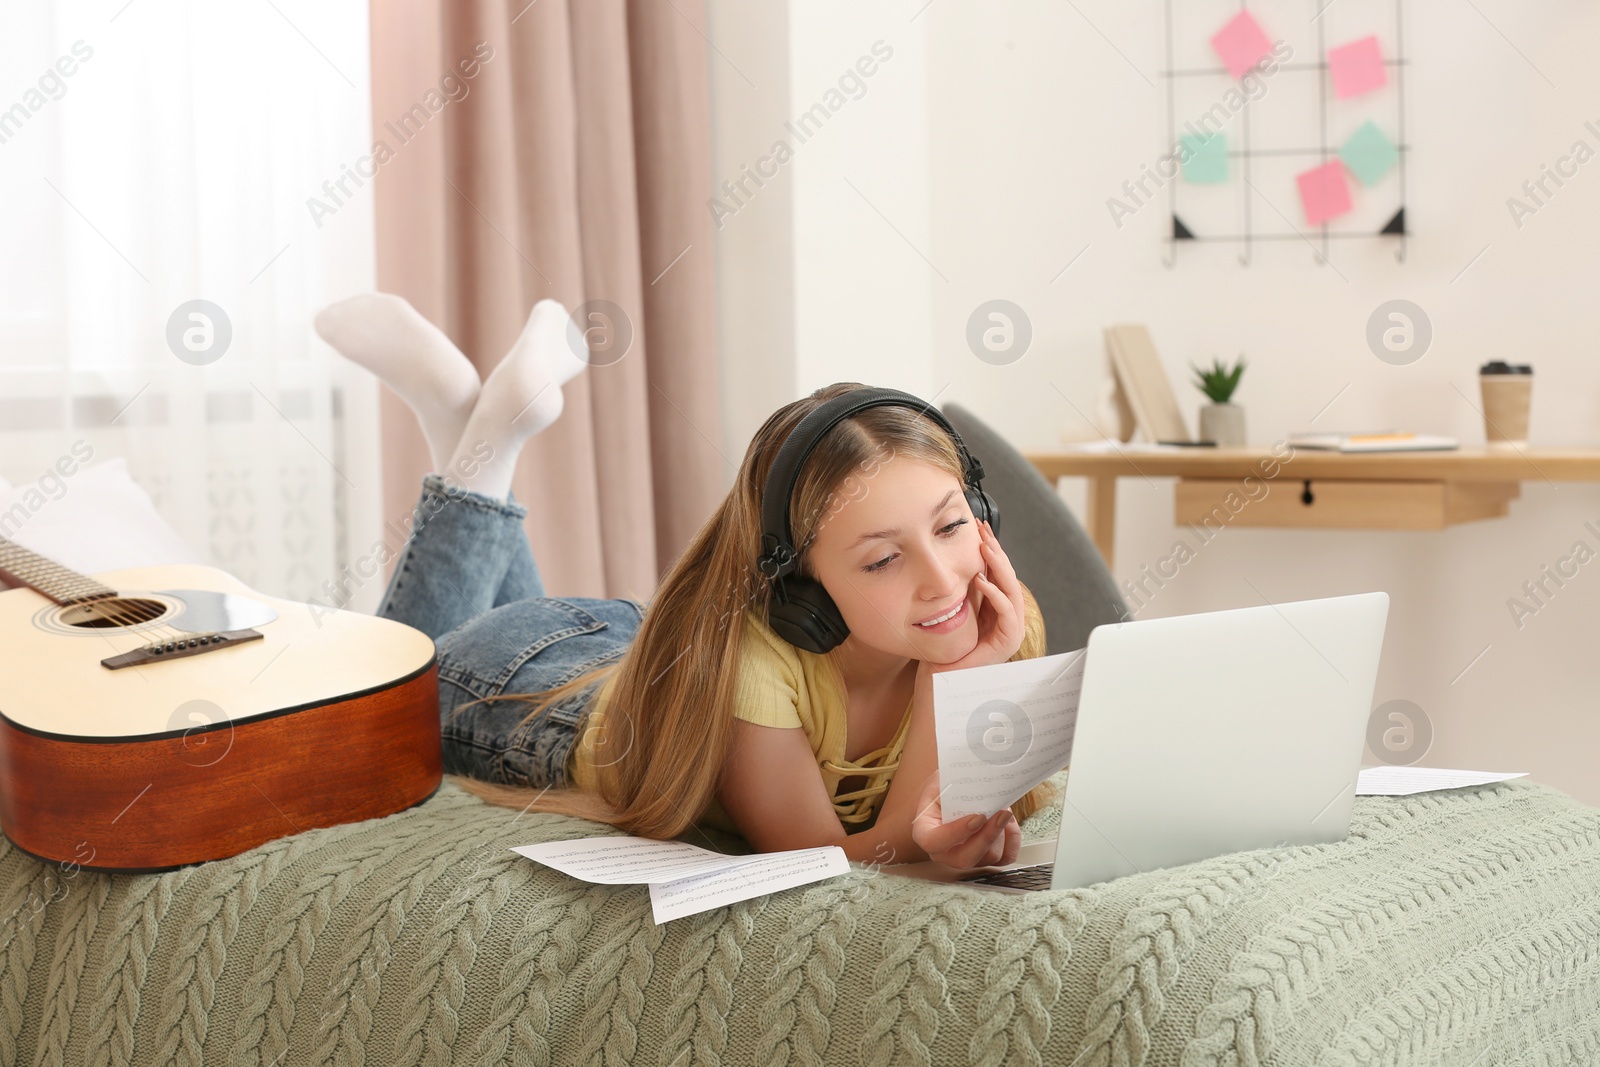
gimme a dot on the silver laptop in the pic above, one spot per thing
(1206, 734)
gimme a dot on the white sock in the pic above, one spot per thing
(389, 337)
(521, 396)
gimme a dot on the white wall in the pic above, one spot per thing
(991, 142)
(755, 245)
(815, 284)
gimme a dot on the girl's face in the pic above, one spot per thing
(897, 548)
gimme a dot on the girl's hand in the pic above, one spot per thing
(971, 842)
(999, 605)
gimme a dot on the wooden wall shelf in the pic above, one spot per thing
(1309, 488)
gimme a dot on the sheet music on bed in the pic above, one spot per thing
(769, 873)
(1401, 780)
(1003, 729)
(685, 879)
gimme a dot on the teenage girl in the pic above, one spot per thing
(693, 709)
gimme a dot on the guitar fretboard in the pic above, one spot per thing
(48, 577)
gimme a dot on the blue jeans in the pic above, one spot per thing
(467, 579)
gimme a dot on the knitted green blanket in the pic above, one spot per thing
(1451, 928)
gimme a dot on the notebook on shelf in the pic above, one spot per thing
(1372, 441)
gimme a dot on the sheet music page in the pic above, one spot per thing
(769, 873)
(1395, 781)
(1003, 729)
(685, 879)
(629, 860)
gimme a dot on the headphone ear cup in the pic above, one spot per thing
(808, 619)
(983, 507)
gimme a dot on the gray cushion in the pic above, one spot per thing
(1051, 552)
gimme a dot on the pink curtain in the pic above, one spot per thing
(561, 149)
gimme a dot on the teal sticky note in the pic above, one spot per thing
(1204, 158)
(1368, 153)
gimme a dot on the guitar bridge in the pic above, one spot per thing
(192, 645)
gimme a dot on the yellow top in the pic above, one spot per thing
(784, 686)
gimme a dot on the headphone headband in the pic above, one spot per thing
(778, 554)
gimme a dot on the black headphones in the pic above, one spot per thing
(800, 610)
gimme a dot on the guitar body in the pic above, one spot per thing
(318, 717)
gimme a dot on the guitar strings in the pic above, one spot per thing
(120, 610)
(124, 612)
(34, 570)
(130, 618)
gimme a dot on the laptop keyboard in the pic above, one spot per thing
(1034, 877)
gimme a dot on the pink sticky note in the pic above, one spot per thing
(1357, 68)
(1241, 43)
(1323, 192)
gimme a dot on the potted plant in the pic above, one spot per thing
(1220, 420)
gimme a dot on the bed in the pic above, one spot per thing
(1459, 927)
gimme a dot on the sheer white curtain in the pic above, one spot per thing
(154, 153)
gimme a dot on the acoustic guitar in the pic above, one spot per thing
(157, 717)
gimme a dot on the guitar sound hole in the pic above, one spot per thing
(113, 612)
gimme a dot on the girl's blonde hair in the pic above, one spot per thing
(669, 698)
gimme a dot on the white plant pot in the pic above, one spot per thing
(1224, 424)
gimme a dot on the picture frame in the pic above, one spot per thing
(1143, 383)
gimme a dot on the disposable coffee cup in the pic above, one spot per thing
(1507, 395)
